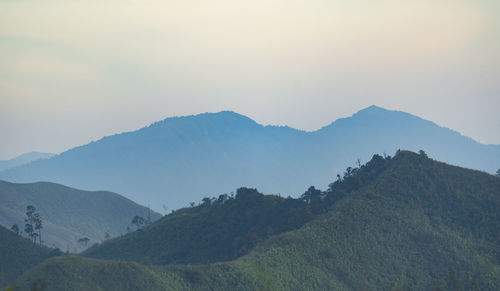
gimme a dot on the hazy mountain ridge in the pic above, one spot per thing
(182, 159)
(68, 214)
(406, 222)
(23, 159)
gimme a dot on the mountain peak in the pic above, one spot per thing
(224, 114)
(221, 119)
(373, 109)
(230, 115)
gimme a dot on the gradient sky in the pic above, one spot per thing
(74, 71)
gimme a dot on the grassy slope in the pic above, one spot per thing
(18, 254)
(68, 213)
(408, 229)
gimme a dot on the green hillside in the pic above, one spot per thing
(405, 223)
(220, 229)
(76, 273)
(68, 214)
(19, 254)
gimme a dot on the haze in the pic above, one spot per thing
(74, 71)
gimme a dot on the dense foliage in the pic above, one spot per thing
(405, 222)
(75, 273)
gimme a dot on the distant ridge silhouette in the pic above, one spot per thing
(23, 159)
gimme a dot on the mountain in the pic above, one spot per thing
(406, 222)
(18, 255)
(182, 159)
(23, 159)
(68, 214)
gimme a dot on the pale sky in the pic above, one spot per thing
(74, 71)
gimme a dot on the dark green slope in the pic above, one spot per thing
(67, 213)
(218, 230)
(18, 254)
(403, 223)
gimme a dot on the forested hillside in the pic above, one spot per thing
(69, 214)
(220, 229)
(406, 222)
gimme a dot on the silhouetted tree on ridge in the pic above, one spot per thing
(83, 241)
(138, 221)
(33, 223)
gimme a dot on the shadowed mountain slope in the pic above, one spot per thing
(179, 160)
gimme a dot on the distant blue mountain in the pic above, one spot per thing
(182, 159)
(23, 159)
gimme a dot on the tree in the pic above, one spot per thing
(33, 223)
(498, 172)
(422, 153)
(206, 201)
(34, 236)
(29, 226)
(222, 198)
(15, 229)
(37, 219)
(138, 221)
(83, 241)
(106, 236)
(311, 195)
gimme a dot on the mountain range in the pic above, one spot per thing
(182, 159)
